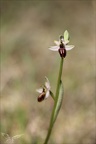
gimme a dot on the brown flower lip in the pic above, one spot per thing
(62, 52)
(41, 97)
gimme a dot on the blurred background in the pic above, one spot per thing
(28, 29)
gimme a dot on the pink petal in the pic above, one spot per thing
(54, 48)
(47, 83)
(47, 94)
(69, 47)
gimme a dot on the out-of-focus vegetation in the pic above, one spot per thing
(28, 28)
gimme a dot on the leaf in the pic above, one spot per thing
(59, 102)
(66, 35)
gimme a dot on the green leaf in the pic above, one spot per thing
(59, 102)
(66, 35)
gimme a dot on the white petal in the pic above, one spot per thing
(47, 94)
(54, 48)
(47, 83)
(69, 47)
(57, 42)
(40, 90)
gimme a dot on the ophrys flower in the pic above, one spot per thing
(44, 91)
(62, 45)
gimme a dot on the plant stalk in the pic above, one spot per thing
(55, 102)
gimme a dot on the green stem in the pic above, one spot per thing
(55, 103)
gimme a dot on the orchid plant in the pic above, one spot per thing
(45, 91)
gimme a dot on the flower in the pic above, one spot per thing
(62, 45)
(44, 91)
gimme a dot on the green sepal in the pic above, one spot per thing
(59, 102)
(66, 35)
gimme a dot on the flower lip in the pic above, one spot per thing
(62, 52)
(41, 97)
